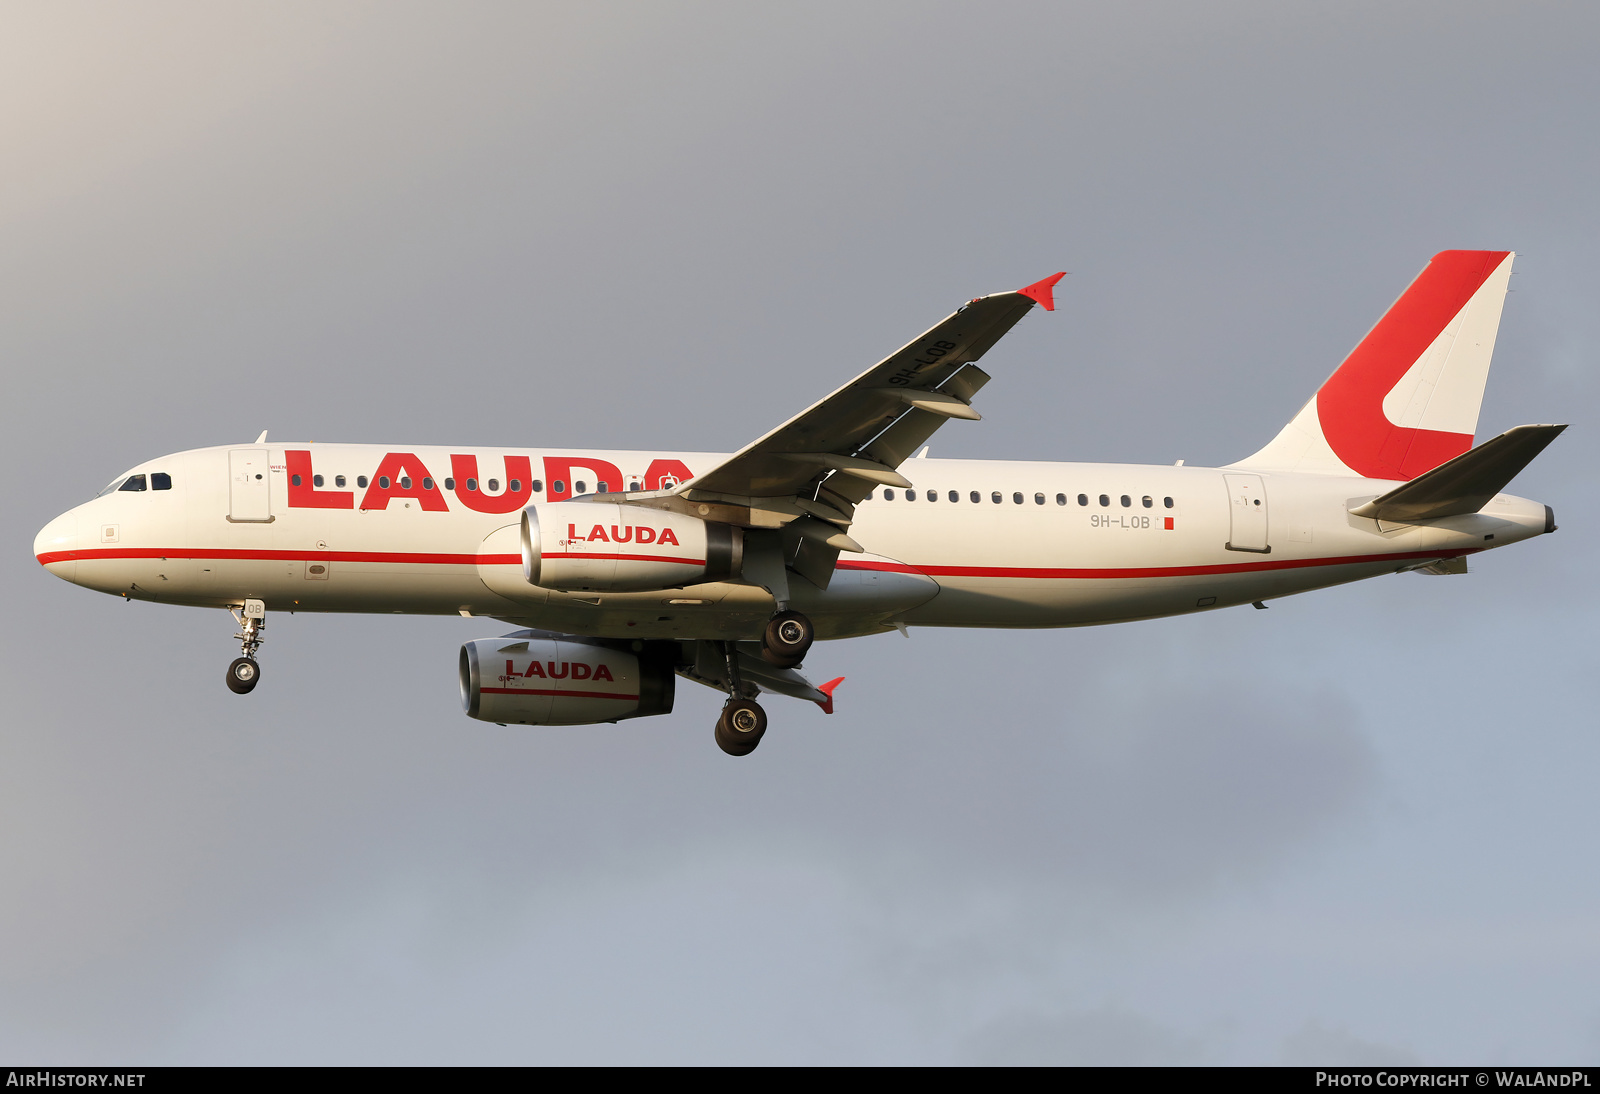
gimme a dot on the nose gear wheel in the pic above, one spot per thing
(243, 675)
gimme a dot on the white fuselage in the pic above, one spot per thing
(1150, 541)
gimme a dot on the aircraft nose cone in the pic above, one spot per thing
(56, 546)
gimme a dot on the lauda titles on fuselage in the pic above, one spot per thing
(625, 570)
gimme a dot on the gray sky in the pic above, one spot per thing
(1358, 827)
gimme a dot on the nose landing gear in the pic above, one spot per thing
(244, 673)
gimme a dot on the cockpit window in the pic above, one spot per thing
(135, 482)
(160, 480)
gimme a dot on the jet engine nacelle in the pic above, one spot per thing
(607, 547)
(562, 682)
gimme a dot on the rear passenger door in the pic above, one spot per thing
(1247, 509)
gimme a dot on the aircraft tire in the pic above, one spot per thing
(741, 727)
(243, 675)
(787, 639)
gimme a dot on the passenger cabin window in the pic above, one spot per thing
(338, 480)
(911, 495)
(472, 484)
(494, 485)
(888, 495)
(449, 484)
(1038, 499)
(1167, 502)
(427, 483)
(580, 487)
(361, 481)
(975, 497)
(1126, 501)
(294, 480)
(955, 495)
(516, 486)
(995, 497)
(538, 486)
(1061, 499)
(600, 487)
(405, 482)
(160, 480)
(933, 495)
(559, 486)
(1083, 499)
(1105, 500)
(135, 482)
(1147, 501)
(383, 482)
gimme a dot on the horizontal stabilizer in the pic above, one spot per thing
(1466, 483)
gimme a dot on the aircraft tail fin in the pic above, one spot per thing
(1406, 399)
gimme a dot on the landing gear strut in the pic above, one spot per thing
(787, 639)
(244, 673)
(742, 722)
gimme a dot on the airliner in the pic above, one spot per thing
(622, 571)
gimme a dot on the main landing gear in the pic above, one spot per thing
(245, 673)
(787, 639)
(742, 722)
(784, 643)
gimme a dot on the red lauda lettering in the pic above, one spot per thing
(644, 535)
(519, 473)
(302, 494)
(558, 469)
(580, 671)
(667, 537)
(621, 535)
(664, 469)
(554, 675)
(397, 466)
(598, 533)
(534, 669)
(602, 673)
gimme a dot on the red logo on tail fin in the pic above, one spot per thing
(1350, 404)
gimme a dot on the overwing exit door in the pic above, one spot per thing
(249, 486)
(1247, 513)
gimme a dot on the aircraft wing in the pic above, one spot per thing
(794, 490)
(854, 439)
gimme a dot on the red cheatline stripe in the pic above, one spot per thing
(562, 694)
(585, 555)
(1017, 572)
(1038, 572)
(413, 558)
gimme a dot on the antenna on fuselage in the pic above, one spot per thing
(263, 438)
